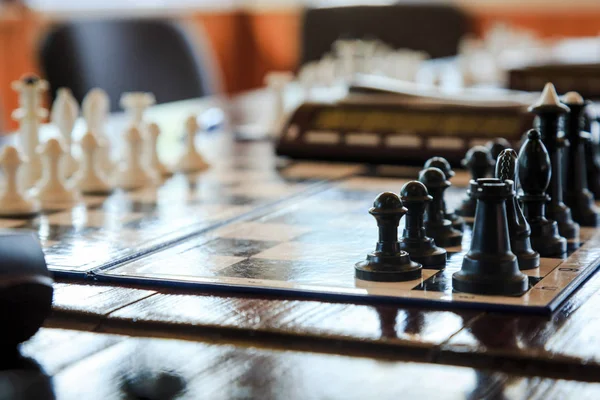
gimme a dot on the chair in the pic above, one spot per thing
(433, 28)
(123, 55)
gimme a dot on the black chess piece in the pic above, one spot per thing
(388, 263)
(496, 146)
(549, 110)
(534, 170)
(518, 228)
(479, 162)
(414, 241)
(25, 288)
(576, 194)
(440, 162)
(592, 161)
(436, 226)
(490, 267)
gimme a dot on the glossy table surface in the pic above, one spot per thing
(249, 346)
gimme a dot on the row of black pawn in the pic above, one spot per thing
(502, 239)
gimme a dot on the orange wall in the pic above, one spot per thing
(248, 44)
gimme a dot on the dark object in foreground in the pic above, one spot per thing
(490, 267)
(388, 263)
(25, 288)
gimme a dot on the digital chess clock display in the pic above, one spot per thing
(472, 123)
(395, 133)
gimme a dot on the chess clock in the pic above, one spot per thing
(379, 126)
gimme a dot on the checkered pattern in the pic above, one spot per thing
(312, 245)
(103, 231)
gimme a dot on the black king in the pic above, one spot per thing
(549, 111)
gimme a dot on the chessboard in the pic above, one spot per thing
(308, 245)
(102, 231)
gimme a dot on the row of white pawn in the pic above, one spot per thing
(64, 178)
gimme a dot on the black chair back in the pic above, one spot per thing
(123, 55)
(433, 28)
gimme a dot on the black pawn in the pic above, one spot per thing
(518, 228)
(549, 111)
(414, 241)
(533, 167)
(388, 263)
(490, 267)
(593, 166)
(497, 146)
(443, 164)
(576, 193)
(478, 162)
(436, 226)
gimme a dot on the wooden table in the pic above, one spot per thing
(232, 345)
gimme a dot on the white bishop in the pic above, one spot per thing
(96, 109)
(13, 202)
(51, 190)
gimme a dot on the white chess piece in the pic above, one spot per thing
(29, 114)
(64, 114)
(135, 104)
(276, 82)
(90, 179)
(51, 190)
(13, 201)
(307, 76)
(151, 154)
(95, 109)
(131, 173)
(191, 160)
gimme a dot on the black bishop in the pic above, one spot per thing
(534, 170)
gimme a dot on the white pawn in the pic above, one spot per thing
(51, 191)
(95, 109)
(13, 202)
(90, 179)
(136, 103)
(131, 173)
(64, 115)
(151, 154)
(190, 160)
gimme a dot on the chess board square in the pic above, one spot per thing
(266, 190)
(323, 253)
(235, 247)
(280, 270)
(97, 218)
(80, 252)
(185, 264)
(263, 231)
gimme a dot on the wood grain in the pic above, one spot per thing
(76, 365)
